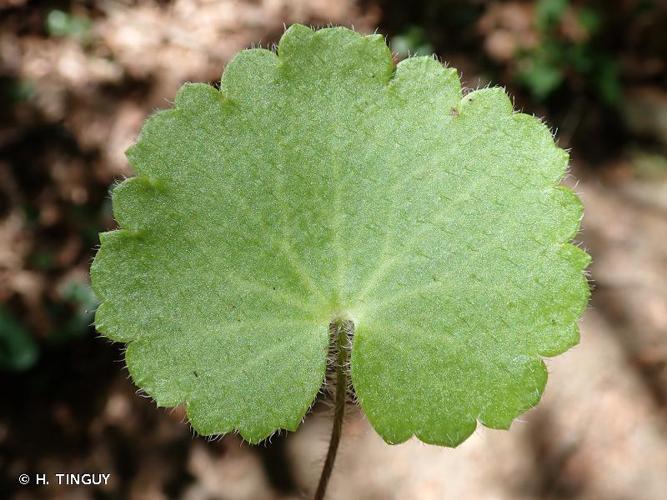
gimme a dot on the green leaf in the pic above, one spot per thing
(324, 183)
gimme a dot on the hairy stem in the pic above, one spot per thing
(341, 331)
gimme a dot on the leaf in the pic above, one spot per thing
(324, 182)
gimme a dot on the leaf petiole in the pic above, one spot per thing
(341, 333)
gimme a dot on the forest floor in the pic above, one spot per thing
(74, 97)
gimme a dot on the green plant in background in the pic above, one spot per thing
(411, 42)
(81, 302)
(648, 165)
(18, 91)
(18, 350)
(557, 58)
(64, 24)
(325, 203)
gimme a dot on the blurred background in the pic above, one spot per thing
(77, 79)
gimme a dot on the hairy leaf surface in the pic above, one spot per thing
(324, 182)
